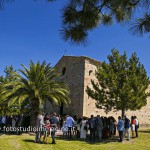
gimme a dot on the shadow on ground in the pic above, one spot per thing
(27, 140)
(104, 141)
(145, 131)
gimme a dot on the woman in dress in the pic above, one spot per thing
(83, 131)
(46, 131)
(111, 127)
(64, 129)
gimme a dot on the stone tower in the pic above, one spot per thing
(77, 72)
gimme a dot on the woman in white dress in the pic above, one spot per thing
(64, 129)
(83, 130)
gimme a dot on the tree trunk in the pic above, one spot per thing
(33, 119)
(34, 112)
(123, 113)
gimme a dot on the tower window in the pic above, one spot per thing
(64, 71)
(90, 72)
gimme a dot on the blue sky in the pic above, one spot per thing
(30, 31)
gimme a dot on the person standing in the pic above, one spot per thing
(120, 127)
(46, 131)
(99, 127)
(92, 127)
(39, 125)
(79, 127)
(136, 126)
(127, 128)
(64, 129)
(111, 126)
(133, 126)
(54, 123)
(70, 121)
(3, 123)
(83, 130)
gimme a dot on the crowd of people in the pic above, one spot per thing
(83, 128)
(13, 121)
(79, 128)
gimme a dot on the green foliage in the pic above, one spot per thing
(121, 84)
(141, 26)
(75, 33)
(89, 14)
(4, 109)
(33, 86)
(81, 16)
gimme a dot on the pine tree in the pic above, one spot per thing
(7, 78)
(81, 16)
(121, 85)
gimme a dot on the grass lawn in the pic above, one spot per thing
(26, 142)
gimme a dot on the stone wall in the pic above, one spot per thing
(72, 72)
(89, 103)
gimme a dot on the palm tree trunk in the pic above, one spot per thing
(34, 112)
(33, 119)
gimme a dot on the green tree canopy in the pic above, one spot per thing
(121, 85)
(4, 108)
(81, 16)
(33, 87)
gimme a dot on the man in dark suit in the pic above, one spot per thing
(54, 123)
(92, 127)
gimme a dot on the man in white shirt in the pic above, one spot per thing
(70, 121)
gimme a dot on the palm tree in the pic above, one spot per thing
(34, 86)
